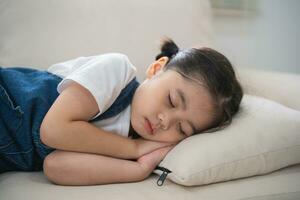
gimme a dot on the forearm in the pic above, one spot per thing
(71, 168)
(81, 136)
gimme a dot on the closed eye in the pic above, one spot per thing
(180, 129)
(179, 125)
(170, 101)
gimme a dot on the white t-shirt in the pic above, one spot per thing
(104, 76)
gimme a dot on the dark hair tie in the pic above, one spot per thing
(168, 48)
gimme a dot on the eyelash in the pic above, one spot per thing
(179, 125)
(180, 129)
(171, 101)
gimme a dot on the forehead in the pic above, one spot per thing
(188, 85)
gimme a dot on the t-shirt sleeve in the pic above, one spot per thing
(104, 76)
(62, 69)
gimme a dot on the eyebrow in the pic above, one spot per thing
(183, 100)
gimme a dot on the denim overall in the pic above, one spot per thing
(25, 97)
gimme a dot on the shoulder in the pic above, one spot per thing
(100, 61)
(118, 59)
(115, 56)
(116, 63)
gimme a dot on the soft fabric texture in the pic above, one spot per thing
(104, 76)
(280, 185)
(282, 87)
(263, 137)
(39, 33)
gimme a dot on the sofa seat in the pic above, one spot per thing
(281, 184)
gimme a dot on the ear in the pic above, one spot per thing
(156, 66)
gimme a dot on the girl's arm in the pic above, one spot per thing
(72, 168)
(66, 127)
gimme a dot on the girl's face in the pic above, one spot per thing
(167, 107)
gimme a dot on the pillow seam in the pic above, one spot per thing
(188, 177)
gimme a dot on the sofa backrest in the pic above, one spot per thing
(40, 33)
(279, 86)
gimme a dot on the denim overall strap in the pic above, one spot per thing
(123, 100)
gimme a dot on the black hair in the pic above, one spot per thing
(215, 71)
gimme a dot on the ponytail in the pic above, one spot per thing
(168, 48)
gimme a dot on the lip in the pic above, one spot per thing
(148, 126)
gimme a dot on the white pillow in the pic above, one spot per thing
(264, 136)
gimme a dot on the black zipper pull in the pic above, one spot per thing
(163, 176)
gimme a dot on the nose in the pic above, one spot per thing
(166, 120)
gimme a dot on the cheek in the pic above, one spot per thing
(150, 103)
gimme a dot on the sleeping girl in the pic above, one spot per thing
(88, 121)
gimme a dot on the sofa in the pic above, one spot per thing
(40, 33)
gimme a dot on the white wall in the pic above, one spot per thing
(268, 40)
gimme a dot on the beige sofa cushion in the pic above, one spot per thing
(282, 87)
(283, 185)
(263, 137)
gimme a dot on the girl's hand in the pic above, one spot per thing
(146, 146)
(149, 161)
